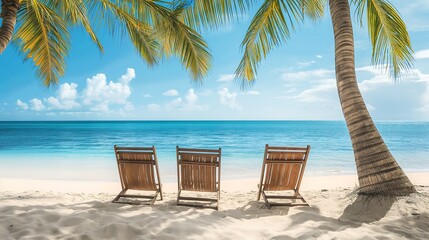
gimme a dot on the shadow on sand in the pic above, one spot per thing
(367, 209)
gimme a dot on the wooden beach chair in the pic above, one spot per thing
(198, 170)
(138, 168)
(282, 170)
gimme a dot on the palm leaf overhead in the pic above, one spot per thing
(42, 36)
(119, 18)
(200, 14)
(314, 9)
(184, 42)
(270, 27)
(176, 37)
(75, 13)
(389, 37)
(152, 26)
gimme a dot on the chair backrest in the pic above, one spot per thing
(284, 167)
(137, 168)
(198, 169)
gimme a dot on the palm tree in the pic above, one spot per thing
(377, 169)
(40, 31)
(8, 13)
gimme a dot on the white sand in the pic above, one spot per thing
(44, 209)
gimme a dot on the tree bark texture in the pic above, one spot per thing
(377, 169)
(9, 9)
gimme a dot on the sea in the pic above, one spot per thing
(83, 150)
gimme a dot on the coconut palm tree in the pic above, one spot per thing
(377, 169)
(40, 31)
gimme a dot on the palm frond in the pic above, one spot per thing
(41, 35)
(75, 13)
(271, 26)
(391, 45)
(211, 14)
(119, 17)
(314, 9)
(176, 37)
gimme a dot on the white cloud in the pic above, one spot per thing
(188, 103)
(315, 93)
(414, 14)
(128, 76)
(314, 74)
(66, 97)
(101, 107)
(37, 104)
(192, 101)
(226, 77)
(21, 104)
(228, 98)
(146, 95)
(128, 106)
(379, 80)
(205, 92)
(97, 96)
(319, 56)
(191, 97)
(422, 54)
(176, 103)
(101, 94)
(153, 107)
(425, 100)
(171, 93)
(374, 83)
(252, 92)
(314, 85)
(420, 77)
(306, 64)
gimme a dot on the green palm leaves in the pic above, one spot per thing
(200, 14)
(43, 37)
(268, 28)
(271, 26)
(390, 41)
(42, 32)
(161, 29)
(276, 20)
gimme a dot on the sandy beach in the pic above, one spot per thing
(46, 209)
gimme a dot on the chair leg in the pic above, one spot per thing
(302, 199)
(259, 192)
(266, 200)
(178, 196)
(218, 199)
(154, 198)
(119, 195)
(160, 191)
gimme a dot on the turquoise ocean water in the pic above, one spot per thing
(84, 150)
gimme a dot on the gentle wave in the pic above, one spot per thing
(84, 149)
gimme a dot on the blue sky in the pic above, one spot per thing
(296, 81)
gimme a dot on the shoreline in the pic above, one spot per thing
(227, 185)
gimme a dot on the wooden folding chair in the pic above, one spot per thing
(198, 170)
(282, 170)
(138, 168)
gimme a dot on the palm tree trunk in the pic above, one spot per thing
(9, 9)
(377, 169)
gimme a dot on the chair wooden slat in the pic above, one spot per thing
(138, 168)
(274, 148)
(198, 170)
(199, 150)
(149, 149)
(282, 170)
